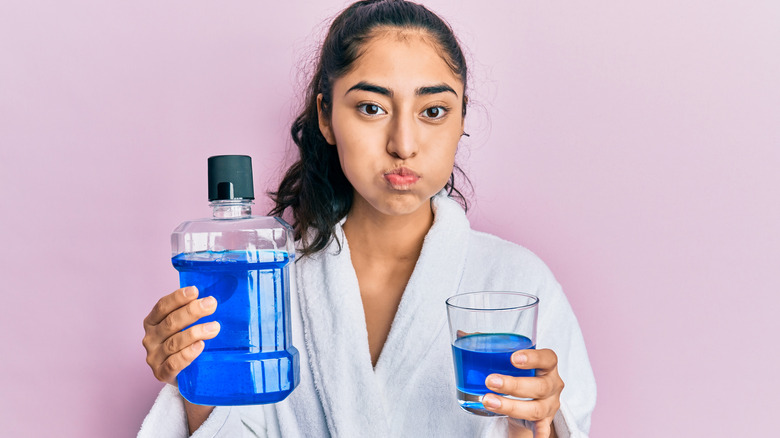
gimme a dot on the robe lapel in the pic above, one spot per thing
(337, 342)
(422, 314)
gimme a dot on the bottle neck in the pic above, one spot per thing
(232, 208)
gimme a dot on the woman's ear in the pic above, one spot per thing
(325, 128)
(463, 113)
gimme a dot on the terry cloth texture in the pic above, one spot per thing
(411, 391)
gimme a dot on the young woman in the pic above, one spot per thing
(384, 245)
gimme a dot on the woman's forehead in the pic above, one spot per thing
(405, 58)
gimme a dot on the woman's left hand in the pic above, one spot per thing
(545, 390)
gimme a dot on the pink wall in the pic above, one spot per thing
(634, 146)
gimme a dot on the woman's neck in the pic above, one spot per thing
(377, 236)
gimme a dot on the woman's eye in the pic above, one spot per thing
(371, 109)
(435, 112)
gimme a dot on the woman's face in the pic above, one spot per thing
(396, 120)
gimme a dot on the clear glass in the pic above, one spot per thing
(485, 329)
(246, 263)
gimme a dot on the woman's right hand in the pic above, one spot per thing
(169, 349)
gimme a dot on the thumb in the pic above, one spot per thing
(543, 428)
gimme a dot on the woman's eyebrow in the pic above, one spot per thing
(365, 86)
(421, 91)
(434, 89)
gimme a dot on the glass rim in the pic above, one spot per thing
(534, 301)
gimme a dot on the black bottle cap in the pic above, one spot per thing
(230, 177)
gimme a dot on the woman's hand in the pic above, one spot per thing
(168, 349)
(545, 390)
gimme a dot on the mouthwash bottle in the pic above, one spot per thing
(246, 263)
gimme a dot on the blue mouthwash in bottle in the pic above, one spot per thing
(247, 264)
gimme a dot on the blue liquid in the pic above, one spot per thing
(479, 355)
(251, 360)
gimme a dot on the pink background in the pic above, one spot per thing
(635, 146)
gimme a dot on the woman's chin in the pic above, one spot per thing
(395, 204)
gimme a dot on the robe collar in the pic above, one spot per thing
(356, 397)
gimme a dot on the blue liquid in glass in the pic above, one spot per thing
(479, 355)
(251, 360)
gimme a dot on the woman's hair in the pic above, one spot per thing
(314, 187)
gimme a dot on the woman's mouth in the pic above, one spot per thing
(401, 178)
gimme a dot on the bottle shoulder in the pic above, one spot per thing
(240, 234)
(233, 224)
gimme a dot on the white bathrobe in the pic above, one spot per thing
(411, 392)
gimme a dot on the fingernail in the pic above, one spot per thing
(519, 359)
(212, 326)
(491, 401)
(208, 302)
(495, 381)
(190, 291)
(196, 346)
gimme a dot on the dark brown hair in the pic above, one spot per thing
(314, 187)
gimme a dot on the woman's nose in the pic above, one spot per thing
(402, 141)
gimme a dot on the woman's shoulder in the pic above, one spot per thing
(506, 264)
(496, 248)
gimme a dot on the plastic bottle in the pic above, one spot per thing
(247, 263)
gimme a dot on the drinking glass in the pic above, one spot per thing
(485, 329)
